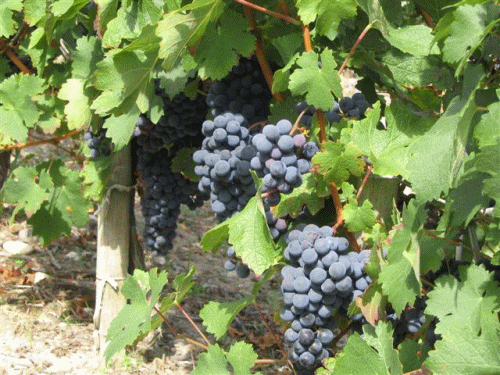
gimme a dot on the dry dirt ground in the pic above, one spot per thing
(47, 298)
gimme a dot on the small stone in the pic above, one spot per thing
(17, 247)
(73, 255)
(15, 228)
(39, 276)
(24, 233)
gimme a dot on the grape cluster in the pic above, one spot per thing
(232, 264)
(98, 143)
(281, 159)
(323, 276)
(411, 321)
(277, 225)
(164, 192)
(223, 164)
(182, 118)
(243, 90)
(354, 106)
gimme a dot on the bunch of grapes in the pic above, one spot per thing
(323, 276)
(164, 192)
(281, 159)
(243, 90)
(354, 106)
(98, 143)
(223, 164)
(232, 264)
(182, 118)
(277, 225)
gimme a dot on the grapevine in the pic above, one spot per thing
(348, 150)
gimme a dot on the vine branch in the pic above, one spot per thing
(351, 52)
(283, 17)
(365, 180)
(340, 220)
(54, 140)
(190, 320)
(4, 46)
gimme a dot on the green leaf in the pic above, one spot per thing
(87, 54)
(231, 37)
(218, 316)
(445, 145)
(28, 188)
(414, 39)
(358, 218)
(18, 111)
(487, 131)
(410, 355)
(387, 149)
(124, 78)
(403, 260)
(77, 109)
(183, 163)
(251, 238)
(179, 29)
(418, 71)
(130, 20)
(357, 357)
(65, 206)
(380, 338)
(337, 162)
(329, 13)
(120, 128)
(310, 193)
(7, 9)
(468, 323)
(317, 84)
(242, 357)
(174, 81)
(212, 362)
(143, 290)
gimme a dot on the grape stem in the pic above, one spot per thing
(259, 52)
(351, 52)
(283, 17)
(54, 140)
(4, 47)
(363, 183)
(322, 129)
(306, 34)
(269, 326)
(178, 335)
(193, 324)
(297, 121)
(340, 220)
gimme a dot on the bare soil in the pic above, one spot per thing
(47, 302)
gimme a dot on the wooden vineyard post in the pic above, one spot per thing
(115, 244)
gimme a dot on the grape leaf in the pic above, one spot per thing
(212, 362)
(123, 77)
(120, 128)
(380, 338)
(358, 218)
(487, 131)
(242, 357)
(310, 193)
(217, 316)
(28, 188)
(183, 163)
(231, 37)
(357, 357)
(18, 111)
(7, 9)
(65, 206)
(329, 14)
(130, 19)
(251, 238)
(411, 355)
(403, 260)
(215, 237)
(412, 71)
(87, 54)
(143, 290)
(337, 162)
(413, 39)
(316, 83)
(77, 109)
(468, 323)
(445, 145)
